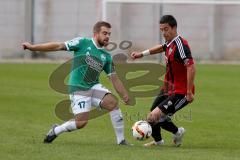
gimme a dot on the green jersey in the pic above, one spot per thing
(88, 62)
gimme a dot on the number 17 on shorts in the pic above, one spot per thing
(80, 103)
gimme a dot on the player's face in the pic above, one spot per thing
(103, 36)
(168, 32)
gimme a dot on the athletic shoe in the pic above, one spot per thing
(50, 135)
(153, 143)
(125, 143)
(177, 138)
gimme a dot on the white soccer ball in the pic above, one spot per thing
(141, 130)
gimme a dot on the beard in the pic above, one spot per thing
(103, 43)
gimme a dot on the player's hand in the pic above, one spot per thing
(26, 45)
(126, 99)
(154, 116)
(135, 55)
(190, 97)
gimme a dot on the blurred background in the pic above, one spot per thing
(210, 26)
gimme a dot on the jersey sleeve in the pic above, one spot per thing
(109, 67)
(74, 44)
(184, 53)
(164, 47)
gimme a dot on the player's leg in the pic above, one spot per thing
(169, 107)
(179, 132)
(168, 125)
(156, 128)
(166, 122)
(81, 105)
(106, 100)
(110, 103)
(80, 120)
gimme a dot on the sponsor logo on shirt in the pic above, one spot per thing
(92, 63)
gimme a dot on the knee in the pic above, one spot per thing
(113, 103)
(81, 123)
(155, 115)
(110, 103)
(150, 118)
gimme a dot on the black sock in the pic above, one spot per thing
(169, 126)
(156, 132)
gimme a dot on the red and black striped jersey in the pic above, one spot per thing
(178, 57)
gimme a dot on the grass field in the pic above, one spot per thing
(27, 112)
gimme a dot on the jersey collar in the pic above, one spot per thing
(96, 44)
(168, 44)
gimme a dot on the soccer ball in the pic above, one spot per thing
(141, 130)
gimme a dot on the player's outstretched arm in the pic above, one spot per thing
(44, 47)
(119, 87)
(153, 50)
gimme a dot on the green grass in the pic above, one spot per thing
(27, 112)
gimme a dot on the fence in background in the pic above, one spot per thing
(211, 28)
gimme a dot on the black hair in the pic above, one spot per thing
(169, 19)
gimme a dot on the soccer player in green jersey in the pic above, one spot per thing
(90, 59)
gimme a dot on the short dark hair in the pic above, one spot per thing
(169, 19)
(99, 24)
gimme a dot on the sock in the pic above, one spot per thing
(66, 127)
(156, 132)
(169, 126)
(117, 122)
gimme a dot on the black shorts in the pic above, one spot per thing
(170, 104)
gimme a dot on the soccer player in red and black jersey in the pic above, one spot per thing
(178, 89)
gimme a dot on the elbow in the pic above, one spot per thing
(61, 46)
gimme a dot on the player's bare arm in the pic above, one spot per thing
(153, 50)
(44, 47)
(119, 87)
(190, 81)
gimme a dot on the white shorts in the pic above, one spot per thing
(84, 101)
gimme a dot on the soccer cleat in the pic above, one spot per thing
(50, 135)
(125, 143)
(177, 138)
(153, 143)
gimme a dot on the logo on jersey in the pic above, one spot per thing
(89, 48)
(74, 41)
(170, 51)
(103, 57)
